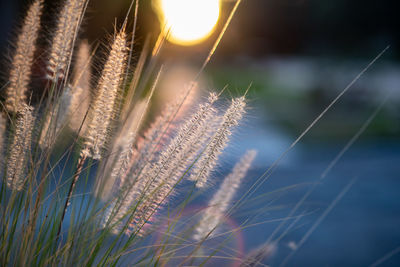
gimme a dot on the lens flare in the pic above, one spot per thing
(188, 22)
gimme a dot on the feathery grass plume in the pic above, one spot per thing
(73, 103)
(223, 197)
(209, 158)
(55, 120)
(20, 147)
(203, 138)
(23, 59)
(145, 150)
(80, 88)
(3, 123)
(155, 136)
(187, 97)
(157, 182)
(164, 172)
(102, 109)
(123, 149)
(64, 38)
(48, 130)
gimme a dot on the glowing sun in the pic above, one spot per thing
(188, 22)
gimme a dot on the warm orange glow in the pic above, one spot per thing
(188, 22)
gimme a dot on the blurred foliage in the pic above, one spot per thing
(294, 110)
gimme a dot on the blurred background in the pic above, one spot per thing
(298, 55)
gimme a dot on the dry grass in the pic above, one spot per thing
(132, 170)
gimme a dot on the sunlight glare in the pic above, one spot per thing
(188, 22)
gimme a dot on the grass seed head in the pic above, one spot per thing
(209, 158)
(20, 148)
(21, 66)
(222, 199)
(64, 38)
(103, 107)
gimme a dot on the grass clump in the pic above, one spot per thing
(85, 182)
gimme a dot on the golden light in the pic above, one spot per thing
(188, 22)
